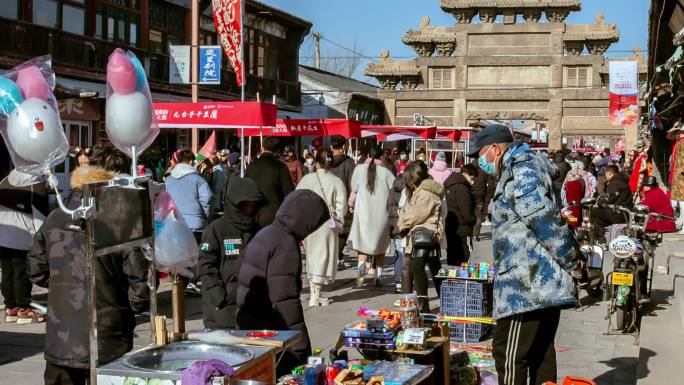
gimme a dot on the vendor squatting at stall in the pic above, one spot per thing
(58, 262)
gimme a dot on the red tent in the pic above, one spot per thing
(216, 115)
(348, 128)
(452, 134)
(393, 133)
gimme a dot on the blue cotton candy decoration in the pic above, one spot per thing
(10, 96)
(141, 77)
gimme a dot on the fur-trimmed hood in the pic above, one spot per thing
(432, 186)
(89, 174)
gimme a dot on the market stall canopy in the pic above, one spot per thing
(452, 134)
(216, 115)
(394, 133)
(348, 128)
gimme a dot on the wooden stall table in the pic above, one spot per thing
(436, 353)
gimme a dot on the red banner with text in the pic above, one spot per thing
(227, 17)
(216, 115)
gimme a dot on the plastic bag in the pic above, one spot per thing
(129, 117)
(29, 117)
(175, 246)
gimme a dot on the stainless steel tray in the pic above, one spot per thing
(175, 357)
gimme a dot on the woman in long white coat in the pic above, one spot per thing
(322, 246)
(370, 236)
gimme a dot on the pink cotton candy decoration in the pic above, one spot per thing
(121, 74)
(32, 83)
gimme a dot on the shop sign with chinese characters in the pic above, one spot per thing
(210, 64)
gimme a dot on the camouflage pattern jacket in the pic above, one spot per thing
(57, 262)
(534, 250)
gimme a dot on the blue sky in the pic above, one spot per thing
(378, 24)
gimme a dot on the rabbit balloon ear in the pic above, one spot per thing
(32, 83)
(10, 96)
(141, 77)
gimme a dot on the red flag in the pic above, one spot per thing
(227, 17)
(209, 147)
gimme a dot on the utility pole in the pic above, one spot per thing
(317, 49)
(194, 56)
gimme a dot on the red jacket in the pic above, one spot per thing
(658, 202)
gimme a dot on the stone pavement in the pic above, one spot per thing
(662, 333)
(584, 349)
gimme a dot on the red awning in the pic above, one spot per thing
(348, 128)
(215, 115)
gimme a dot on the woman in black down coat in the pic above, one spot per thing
(461, 215)
(270, 283)
(223, 242)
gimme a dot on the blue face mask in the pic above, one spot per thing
(488, 167)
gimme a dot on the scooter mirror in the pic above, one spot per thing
(588, 201)
(641, 209)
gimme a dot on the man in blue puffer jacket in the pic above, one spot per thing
(190, 192)
(534, 255)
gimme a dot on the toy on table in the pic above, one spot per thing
(473, 270)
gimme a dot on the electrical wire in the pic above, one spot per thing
(345, 48)
(308, 90)
(414, 56)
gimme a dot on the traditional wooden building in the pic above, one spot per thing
(81, 34)
(509, 65)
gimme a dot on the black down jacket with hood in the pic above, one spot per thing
(270, 281)
(461, 206)
(58, 262)
(223, 243)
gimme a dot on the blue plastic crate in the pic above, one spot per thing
(468, 333)
(462, 298)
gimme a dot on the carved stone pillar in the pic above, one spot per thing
(555, 137)
(556, 75)
(574, 48)
(532, 15)
(557, 15)
(488, 15)
(424, 49)
(464, 16)
(391, 109)
(446, 48)
(460, 112)
(631, 136)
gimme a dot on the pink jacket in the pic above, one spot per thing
(440, 171)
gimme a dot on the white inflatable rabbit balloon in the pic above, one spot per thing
(33, 131)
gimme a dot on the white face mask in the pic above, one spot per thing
(310, 161)
(403, 157)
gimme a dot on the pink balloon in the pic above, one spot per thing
(121, 73)
(32, 83)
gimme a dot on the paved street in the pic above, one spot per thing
(584, 349)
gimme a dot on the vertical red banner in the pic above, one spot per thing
(624, 91)
(227, 17)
